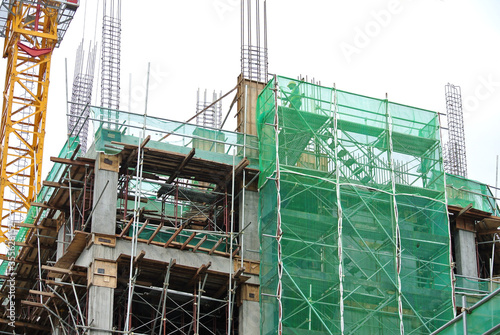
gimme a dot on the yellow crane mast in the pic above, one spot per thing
(31, 29)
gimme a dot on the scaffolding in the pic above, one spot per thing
(481, 318)
(353, 221)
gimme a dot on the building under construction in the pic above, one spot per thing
(325, 212)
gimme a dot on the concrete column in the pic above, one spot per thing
(101, 299)
(251, 243)
(465, 253)
(100, 314)
(105, 194)
(249, 311)
(249, 318)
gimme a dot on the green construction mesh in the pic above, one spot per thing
(462, 192)
(44, 195)
(482, 318)
(212, 144)
(364, 228)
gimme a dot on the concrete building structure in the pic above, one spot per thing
(163, 228)
(325, 212)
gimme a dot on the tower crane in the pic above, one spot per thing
(32, 29)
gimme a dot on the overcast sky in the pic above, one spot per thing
(407, 49)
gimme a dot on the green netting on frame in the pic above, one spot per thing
(482, 318)
(364, 244)
(210, 143)
(45, 193)
(462, 192)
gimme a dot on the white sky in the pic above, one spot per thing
(411, 52)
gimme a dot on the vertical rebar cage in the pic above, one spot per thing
(83, 82)
(111, 59)
(362, 231)
(212, 116)
(456, 158)
(254, 59)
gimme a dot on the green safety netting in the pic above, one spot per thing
(462, 192)
(45, 193)
(482, 318)
(475, 288)
(361, 207)
(210, 143)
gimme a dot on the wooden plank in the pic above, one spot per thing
(63, 271)
(157, 230)
(41, 205)
(252, 267)
(178, 244)
(489, 232)
(5, 258)
(109, 162)
(237, 170)
(250, 292)
(103, 239)
(70, 161)
(202, 269)
(26, 225)
(174, 235)
(142, 227)
(220, 291)
(127, 227)
(133, 154)
(181, 166)
(190, 238)
(31, 303)
(56, 283)
(139, 257)
(464, 210)
(170, 156)
(45, 294)
(236, 251)
(73, 250)
(200, 243)
(27, 325)
(215, 246)
(103, 273)
(238, 273)
(48, 183)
